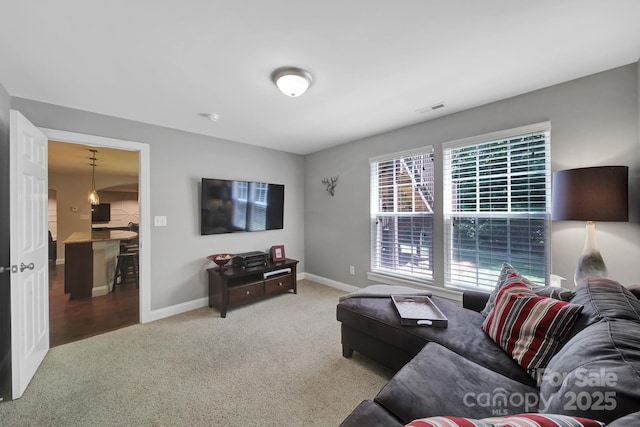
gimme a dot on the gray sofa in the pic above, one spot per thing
(461, 371)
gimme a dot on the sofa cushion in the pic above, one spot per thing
(438, 381)
(370, 414)
(597, 373)
(603, 298)
(446, 421)
(378, 318)
(509, 274)
(520, 420)
(529, 327)
(626, 421)
(635, 290)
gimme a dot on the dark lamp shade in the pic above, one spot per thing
(591, 194)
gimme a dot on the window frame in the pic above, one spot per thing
(449, 214)
(420, 275)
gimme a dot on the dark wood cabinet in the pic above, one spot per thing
(78, 270)
(233, 286)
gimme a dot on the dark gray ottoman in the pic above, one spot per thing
(371, 326)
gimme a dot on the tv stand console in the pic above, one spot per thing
(233, 286)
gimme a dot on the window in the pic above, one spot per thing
(497, 206)
(402, 214)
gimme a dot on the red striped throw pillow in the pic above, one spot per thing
(520, 420)
(542, 420)
(529, 327)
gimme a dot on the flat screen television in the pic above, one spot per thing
(234, 206)
(101, 213)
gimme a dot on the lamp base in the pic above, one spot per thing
(591, 263)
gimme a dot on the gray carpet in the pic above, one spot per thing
(277, 362)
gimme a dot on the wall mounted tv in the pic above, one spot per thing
(233, 206)
(101, 213)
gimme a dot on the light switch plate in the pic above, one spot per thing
(160, 221)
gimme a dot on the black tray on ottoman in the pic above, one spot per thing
(418, 311)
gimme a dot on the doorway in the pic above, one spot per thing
(139, 309)
(71, 177)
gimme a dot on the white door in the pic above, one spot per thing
(29, 247)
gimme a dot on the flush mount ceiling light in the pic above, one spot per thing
(291, 81)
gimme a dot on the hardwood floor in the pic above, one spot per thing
(73, 320)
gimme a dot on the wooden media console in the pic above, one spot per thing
(233, 286)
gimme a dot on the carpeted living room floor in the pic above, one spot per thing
(277, 362)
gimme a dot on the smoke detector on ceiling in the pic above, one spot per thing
(214, 117)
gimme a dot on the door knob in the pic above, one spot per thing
(24, 266)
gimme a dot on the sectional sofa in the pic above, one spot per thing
(521, 349)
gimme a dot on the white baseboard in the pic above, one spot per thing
(332, 283)
(161, 313)
(172, 310)
(100, 291)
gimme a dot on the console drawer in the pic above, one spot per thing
(245, 292)
(278, 284)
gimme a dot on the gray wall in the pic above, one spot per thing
(594, 122)
(5, 294)
(178, 161)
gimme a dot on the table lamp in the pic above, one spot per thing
(591, 194)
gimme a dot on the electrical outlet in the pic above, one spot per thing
(160, 221)
(352, 270)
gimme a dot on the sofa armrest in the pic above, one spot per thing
(475, 300)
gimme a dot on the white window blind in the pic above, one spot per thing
(402, 214)
(497, 206)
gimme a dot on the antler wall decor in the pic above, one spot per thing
(331, 184)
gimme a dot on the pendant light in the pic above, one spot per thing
(94, 199)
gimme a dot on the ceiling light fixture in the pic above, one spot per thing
(94, 199)
(214, 117)
(292, 81)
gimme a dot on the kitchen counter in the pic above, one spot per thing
(90, 261)
(100, 236)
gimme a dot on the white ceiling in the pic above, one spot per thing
(76, 159)
(374, 62)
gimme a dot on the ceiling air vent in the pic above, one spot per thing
(433, 107)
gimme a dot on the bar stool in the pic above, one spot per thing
(126, 268)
